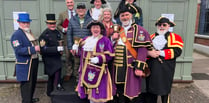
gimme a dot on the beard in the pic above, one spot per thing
(161, 32)
(126, 23)
(27, 30)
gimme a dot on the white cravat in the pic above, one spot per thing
(90, 43)
(159, 42)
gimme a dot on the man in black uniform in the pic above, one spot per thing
(51, 51)
(168, 46)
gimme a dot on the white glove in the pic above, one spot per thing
(94, 60)
(75, 47)
(162, 53)
(60, 48)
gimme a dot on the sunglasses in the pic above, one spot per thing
(164, 25)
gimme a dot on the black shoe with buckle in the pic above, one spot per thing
(60, 88)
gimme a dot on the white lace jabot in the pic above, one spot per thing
(159, 42)
(90, 43)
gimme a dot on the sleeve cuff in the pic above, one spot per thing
(169, 54)
(63, 30)
(140, 65)
(102, 59)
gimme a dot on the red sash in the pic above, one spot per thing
(127, 43)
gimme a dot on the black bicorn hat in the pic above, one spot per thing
(95, 22)
(81, 6)
(125, 8)
(165, 20)
(103, 1)
(50, 18)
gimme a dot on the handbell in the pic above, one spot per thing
(116, 28)
(35, 42)
(60, 42)
(76, 40)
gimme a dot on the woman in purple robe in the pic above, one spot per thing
(94, 77)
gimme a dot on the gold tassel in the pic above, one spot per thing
(137, 15)
(88, 90)
(97, 90)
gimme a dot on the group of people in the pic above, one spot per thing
(114, 62)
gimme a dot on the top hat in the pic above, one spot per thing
(95, 22)
(165, 20)
(81, 6)
(103, 1)
(24, 17)
(125, 0)
(50, 18)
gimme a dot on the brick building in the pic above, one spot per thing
(201, 41)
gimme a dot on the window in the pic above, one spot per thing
(204, 18)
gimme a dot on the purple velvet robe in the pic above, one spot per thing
(141, 43)
(104, 51)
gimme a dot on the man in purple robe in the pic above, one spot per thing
(94, 78)
(131, 45)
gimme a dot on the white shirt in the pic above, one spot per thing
(96, 13)
(69, 13)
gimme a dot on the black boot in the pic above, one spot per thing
(60, 88)
(122, 99)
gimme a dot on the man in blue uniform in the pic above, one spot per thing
(26, 53)
(51, 51)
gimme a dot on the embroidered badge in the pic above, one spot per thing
(141, 36)
(42, 43)
(91, 75)
(101, 46)
(15, 43)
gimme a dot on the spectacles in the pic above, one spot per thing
(164, 25)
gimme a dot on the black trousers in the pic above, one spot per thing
(152, 98)
(27, 88)
(53, 81)
(123, 99)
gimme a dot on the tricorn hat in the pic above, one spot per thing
(50, 18)
(24, 17)
(125, 8)
(95, 22)
(165, 20)
(103, 1)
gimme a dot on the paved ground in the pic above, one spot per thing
(196, 92)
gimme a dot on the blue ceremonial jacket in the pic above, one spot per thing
(23, 50)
